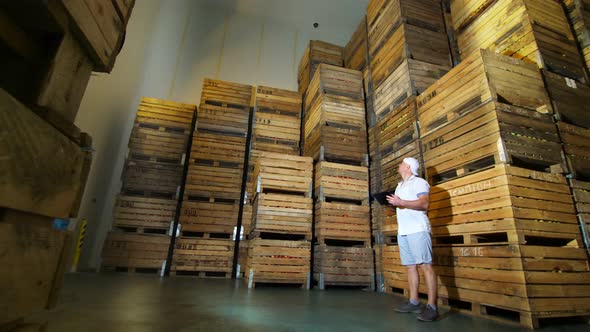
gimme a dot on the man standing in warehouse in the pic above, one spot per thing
(414, 240)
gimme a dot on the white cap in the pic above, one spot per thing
(413, 163)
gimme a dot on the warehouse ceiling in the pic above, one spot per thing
(297, 12)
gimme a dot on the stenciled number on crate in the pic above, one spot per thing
(264, 91)
(435, 143)
(191, 212)
(211, 84)
(263, 121)
(473, 252)
(426, 98)
(126, 204)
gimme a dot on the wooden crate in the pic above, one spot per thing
(384, 16)
(276, 172)
(343, 145)
(576, 144)
(159, 143)
(341, 221)
(384, 219)
(158, 113)
(247, 219)
(581, 194)
(213, 181)
(335, 111)
(203, 257)
(464, 12)
(504, 204)
(277, 121)
(34, 259)
(284, 214)
(227, 94)
(534, 30)
(527, 282)
(341, 182)
(40, 169)
(242, 258)
(343, 266)
(355, 52)
(578, 12)
(492, 133)
(409, 42)
(135, 251)
(206, 217)
(334, 81)
(223, 120)
(482, 77)
(410, 78)
(571, 100)
(140, 177)
(144, 213)
(315, 53)
(228, 151)
(278, 261)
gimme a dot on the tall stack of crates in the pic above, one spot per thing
(408, 51)
(152, 177)
(335, 137)
(282, 215)
(210, 205)
(355, 51)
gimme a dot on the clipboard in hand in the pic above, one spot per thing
(382, 197)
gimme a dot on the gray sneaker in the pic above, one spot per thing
(409, 307)
(428, 315)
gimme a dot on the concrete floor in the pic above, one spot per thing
(114, 302)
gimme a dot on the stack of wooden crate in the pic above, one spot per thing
(212, 195)
(279, 244)
(578, 12)
(152, 176)
(316, 52)
(497, 213)
(533, 30)
(49, 50)
(355, 51)
(335, 124)
(342, 254)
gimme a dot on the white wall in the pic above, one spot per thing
(171, 46)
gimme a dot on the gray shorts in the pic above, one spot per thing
(415, 248)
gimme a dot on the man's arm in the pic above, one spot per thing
(421, 204)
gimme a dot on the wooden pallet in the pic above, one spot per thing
(340, 145)
(285, 214)
(341, 182)
(203, 257)
(135, 251)
(337, 111)
(409, 78)
(144, 212)
(522, 204)
(482, 77)
(384, 16)
(208, 217)
(534, 30)
(334, 81)
(343, 266)
(576, 144)
(571, 100)
(283, 173)
(220, 120)
(315, 53)
(150, 176)
(342, 221)
(226, 94)
(410, 42)
(278, 261)
(355, 51)
(491, 134)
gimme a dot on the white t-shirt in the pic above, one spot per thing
(412, 221)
